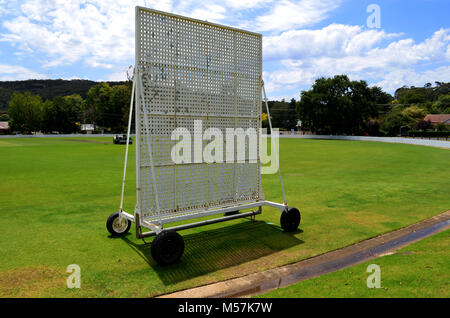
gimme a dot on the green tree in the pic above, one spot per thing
(442, 105)
(337, 105)
(423, 124)
(379, 96)
(292, 119)
(107, 106)
(61, 115)
(440, 89)
(372, 128)
(283, 114)
(72, 109)
(119, 107)
(5, 96)
(75, 103)
(25, 112)
(441, 127)
(412, 97)
(391, 125)
(420, 95)
(414, 113)
(49, 117)
(96, 104)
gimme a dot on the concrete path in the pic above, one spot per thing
(265, 281)
(445, 144)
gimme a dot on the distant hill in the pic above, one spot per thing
(47, 89)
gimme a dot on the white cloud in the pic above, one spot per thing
(245, 4)
(100, 34)
(397, 78)
(333, 40)
(117, 76)
(98, 31)
(354, 52)
(16, 72)
(94, 63)
(211, 13)
(286, 14)
(6, 7)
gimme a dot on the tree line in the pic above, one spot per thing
(104, 106)
(338, 105)
(334, 105)
(411, 104)
(46, 88)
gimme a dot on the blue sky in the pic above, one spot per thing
(302, 41)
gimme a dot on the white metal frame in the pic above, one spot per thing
(155, 223)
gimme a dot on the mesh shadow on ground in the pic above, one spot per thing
(211, 250)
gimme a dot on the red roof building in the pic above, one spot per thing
(438, 118)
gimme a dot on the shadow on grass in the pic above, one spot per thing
(211, 250)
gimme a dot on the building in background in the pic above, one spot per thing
(88, 128)
(438, 118)
(4, 128)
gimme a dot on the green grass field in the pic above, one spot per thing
(56, 193)
(418, 270)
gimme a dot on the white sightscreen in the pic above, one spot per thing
(194, 70)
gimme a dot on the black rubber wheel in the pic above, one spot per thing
(290, 219)
(167, 247)
(115, 227)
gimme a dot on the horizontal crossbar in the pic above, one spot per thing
(201, 223)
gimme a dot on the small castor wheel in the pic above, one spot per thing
(116, 226)
(290, 219)
(167, 247)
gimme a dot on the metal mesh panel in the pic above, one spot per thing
(193, 70)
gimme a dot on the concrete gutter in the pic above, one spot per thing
(396, 140)
(265, 281)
